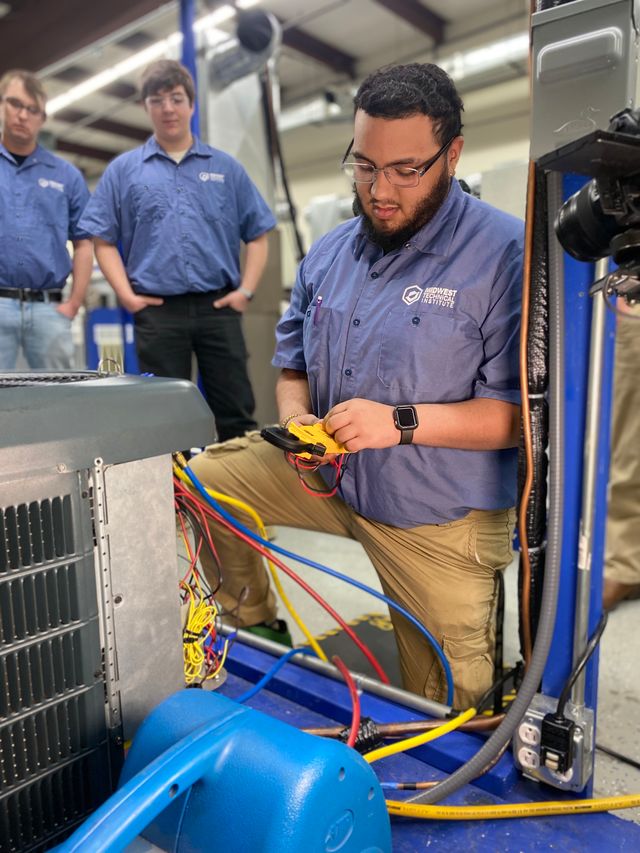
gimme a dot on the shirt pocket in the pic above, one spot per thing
(430, 356)
(150, 202)
(52, 209)
(209, 201)
(321, 339)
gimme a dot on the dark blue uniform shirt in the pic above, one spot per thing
(41, 202)
(179, 225)
(436, 321)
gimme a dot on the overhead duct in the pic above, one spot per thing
(258, 35)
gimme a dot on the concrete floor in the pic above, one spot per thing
(619, 688)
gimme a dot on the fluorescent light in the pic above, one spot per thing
(465, 64)
(164, 47)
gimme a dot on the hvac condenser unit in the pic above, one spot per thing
(89, 611)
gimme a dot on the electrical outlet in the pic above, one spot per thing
(529, 732)
(527, 738)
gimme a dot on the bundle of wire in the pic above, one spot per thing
(221, 517)
(264, 547)
(203, 654)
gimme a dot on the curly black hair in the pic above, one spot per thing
(400, 91)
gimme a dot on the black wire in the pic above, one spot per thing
(618, 755)
(498, 658)
(515, 671)
(274, 143)
(584, 659)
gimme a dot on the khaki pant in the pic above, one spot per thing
(444, 574)
(622, 560)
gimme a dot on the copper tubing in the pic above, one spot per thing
(390, 730)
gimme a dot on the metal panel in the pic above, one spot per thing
(585, 64)
(140, 592)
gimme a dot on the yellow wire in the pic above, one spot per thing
(262, 532)
(418, 740)
(511, 810)
(199, 616)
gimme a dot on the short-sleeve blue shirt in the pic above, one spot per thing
(41, 202)
(179, 225)
(436, 321)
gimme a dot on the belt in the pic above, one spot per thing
(31, 295)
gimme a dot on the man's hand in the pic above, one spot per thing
(309, 420)
(68, 309)
(236, 300)
(135, 303)
(362, 425)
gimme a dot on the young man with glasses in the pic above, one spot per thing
(41, 200)
(168, 219)
(402, 337)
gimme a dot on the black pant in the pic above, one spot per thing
(166, 337)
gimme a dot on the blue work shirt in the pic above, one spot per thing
(41, 202)
(436, 321)
(179, 225)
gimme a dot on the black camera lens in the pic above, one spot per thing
(583, 230)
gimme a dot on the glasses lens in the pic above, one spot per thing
(18, 106)
(402, 176)
(362, 173)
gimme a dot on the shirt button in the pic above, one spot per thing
(407, 245)
(416, 321)
(356, 322)
(308, 313)
(375, 274)
(348, 372)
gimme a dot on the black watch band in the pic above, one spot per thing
(405, 419)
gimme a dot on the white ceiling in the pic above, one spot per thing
(321, 38)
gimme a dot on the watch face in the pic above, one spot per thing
(406, 417)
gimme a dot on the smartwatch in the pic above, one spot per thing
(405, 419)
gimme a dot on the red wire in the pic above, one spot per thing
(355, 699)
(197, 511)
(366, 651)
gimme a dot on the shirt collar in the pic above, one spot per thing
(38, 155)
(152, 149)
(435, 237)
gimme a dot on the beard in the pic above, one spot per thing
(422, 214)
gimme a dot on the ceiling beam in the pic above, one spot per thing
(418, 16)
(107, 125)
(101, 154)
(318, 50)
(40, 32)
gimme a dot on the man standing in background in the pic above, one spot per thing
(41, 200)
(179, 210)
(622, 558)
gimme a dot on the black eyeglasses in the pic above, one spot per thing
(398, 176)
(18, 105)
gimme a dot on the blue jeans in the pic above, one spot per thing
(43, 333)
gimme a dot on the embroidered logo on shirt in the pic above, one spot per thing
(411, 294)
(212, 176)
(443, 297)
(55, 185)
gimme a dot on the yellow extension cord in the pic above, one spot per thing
(241, 505)
(507, 810)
